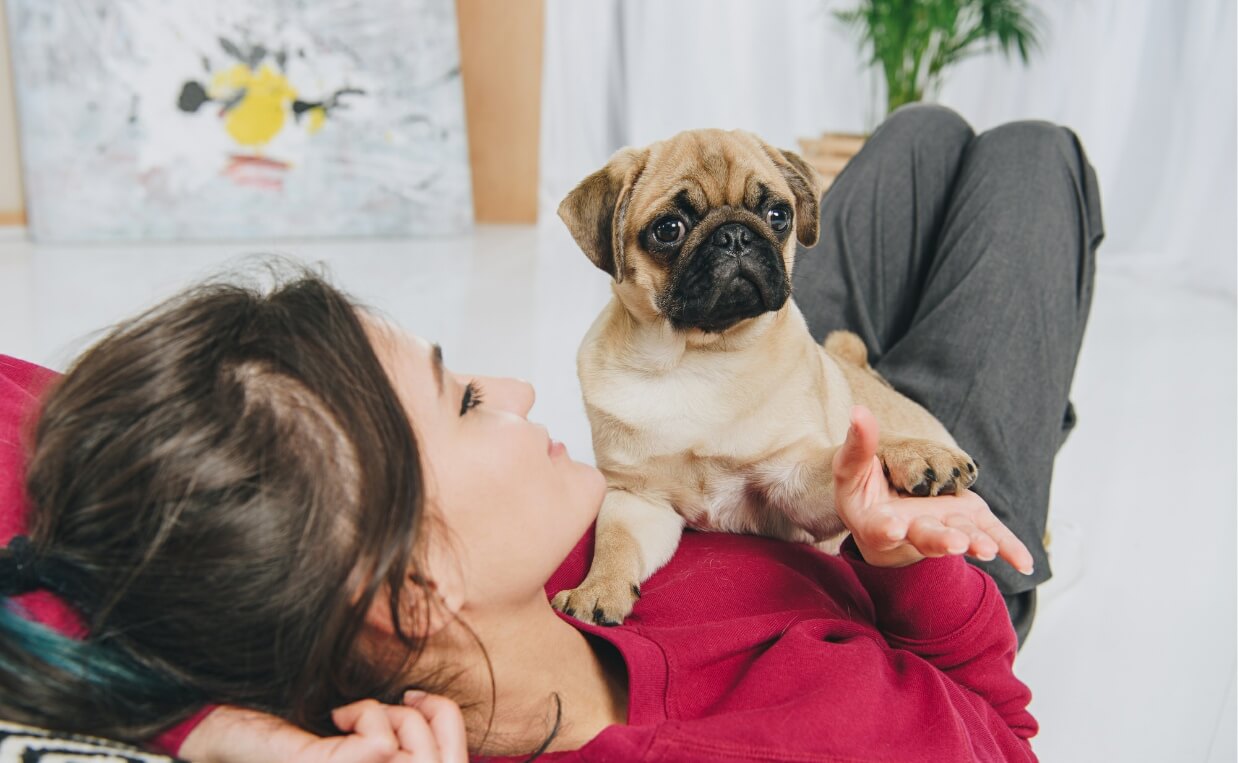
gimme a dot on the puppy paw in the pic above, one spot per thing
(602, 602)
(924, 467)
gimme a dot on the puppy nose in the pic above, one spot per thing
(732, 236)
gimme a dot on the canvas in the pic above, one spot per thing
(176, 119)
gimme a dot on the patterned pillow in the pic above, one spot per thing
(26, 744)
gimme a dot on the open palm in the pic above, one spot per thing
(894, 530)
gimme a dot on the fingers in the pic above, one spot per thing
(957, 524)
(973, 509)
(446, 722)
(891, 526)
(980, 545)
(1009, 547)
(367, 719)
(413, 731)
(426, 729)
(933, 538)
(854, 457)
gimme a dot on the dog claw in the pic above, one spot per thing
(600, 618)
(925, 468)
(606, 603)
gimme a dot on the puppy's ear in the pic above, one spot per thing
(807, 185)
(596, 209)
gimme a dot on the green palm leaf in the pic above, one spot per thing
(914, 41)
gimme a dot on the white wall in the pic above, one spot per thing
(1149, 85)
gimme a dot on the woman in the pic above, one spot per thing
(276, 501)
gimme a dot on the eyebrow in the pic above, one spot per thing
(684, 201)
(762, 195)
(438, 367)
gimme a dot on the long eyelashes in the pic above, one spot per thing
(472, 397)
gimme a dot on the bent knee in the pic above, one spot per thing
(1032, 141)
(926, 125)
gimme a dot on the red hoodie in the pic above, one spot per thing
(746, 648)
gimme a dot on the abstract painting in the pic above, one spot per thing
(240, 119)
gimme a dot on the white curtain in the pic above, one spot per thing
(1149, 86)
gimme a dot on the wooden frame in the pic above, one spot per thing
(501, 64)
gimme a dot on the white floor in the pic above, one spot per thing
(1133, 662)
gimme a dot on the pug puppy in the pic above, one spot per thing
(710, 403)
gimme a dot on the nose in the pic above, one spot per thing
(732, 236)
(514, 395)
(527, 396)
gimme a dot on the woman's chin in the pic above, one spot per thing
(588, 490)
(599, 487)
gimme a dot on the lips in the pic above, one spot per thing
(555, 448)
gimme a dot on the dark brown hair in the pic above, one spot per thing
(227, 483)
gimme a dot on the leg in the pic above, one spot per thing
(635, 537)
(880, 222)
(998, 299)
(996, 334)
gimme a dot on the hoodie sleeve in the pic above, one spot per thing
(951, 614)
(171, 740)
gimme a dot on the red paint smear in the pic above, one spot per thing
(257, 171)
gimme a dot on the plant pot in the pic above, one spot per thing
(830, 152)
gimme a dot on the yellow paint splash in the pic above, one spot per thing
(262, 111)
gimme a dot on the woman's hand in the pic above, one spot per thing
(893, 530)
(426, 729)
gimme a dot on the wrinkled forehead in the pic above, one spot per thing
(704, 169)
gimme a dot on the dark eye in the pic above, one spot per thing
(669, 230)
(471, 399)
(779, 217)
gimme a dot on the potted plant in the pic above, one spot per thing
(914, 42)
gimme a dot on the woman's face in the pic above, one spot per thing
(512, 501)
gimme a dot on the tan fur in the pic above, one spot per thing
(847, 347)
(732, 431)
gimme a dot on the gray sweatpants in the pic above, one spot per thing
(965, 262)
